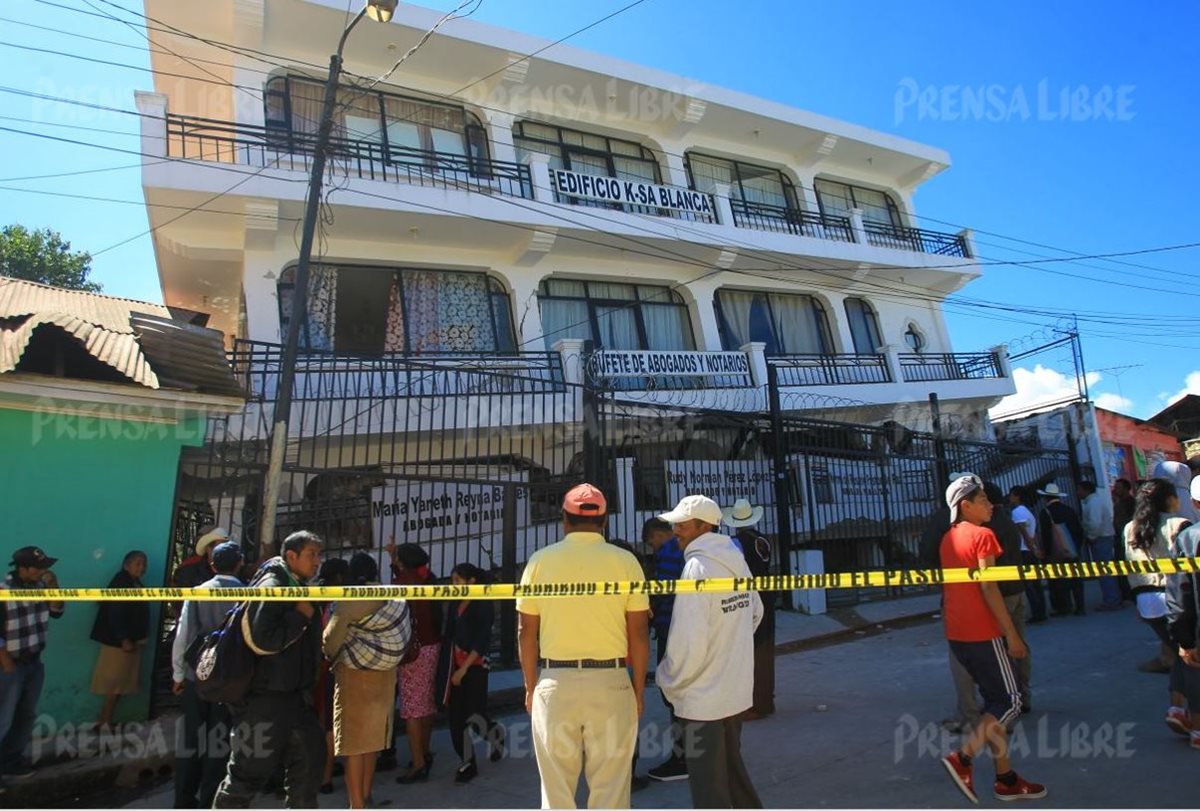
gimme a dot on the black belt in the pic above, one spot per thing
(584, 664)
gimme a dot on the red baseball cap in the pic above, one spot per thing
(585, 499)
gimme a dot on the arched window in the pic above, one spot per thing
(836, 199)
(864, 326)
(788, 323)
(614, 315)
(373, 310)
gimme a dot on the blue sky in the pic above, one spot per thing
(1116, 172)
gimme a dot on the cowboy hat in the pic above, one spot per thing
(1051, 491)
(741, 514)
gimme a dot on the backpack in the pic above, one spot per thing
(223, 661)
(380, 641)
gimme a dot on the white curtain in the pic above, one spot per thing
(796, 324)
(564, 319)
(667, 328)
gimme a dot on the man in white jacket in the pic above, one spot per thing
(708, 672)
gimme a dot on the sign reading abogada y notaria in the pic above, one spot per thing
(631, 363)
(630, 192)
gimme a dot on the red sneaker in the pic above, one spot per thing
(1179, 721)
(961, 775)
(1020, 790)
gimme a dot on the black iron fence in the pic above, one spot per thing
(469, 456)
(831, 370)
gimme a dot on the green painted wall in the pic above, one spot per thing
(87, 490)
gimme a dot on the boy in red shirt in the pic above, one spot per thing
(982, 637)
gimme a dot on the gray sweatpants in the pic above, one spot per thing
(716, 774)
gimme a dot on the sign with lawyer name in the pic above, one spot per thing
(418, 512)
(620, 363)
(630, 192)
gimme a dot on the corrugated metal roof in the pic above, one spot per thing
(136, 338)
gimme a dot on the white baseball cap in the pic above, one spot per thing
(700, 508)
(961, 488)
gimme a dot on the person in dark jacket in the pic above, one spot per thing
(121, 628)
(1066, 594)
(668, 565)
(202, 749)
(276, 722)
(1183, 628)
(463, 672)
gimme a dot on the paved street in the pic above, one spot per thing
(856, 726)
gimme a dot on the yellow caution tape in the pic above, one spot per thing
(723, 585)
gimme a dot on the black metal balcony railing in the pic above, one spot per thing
(884, 235)
(763, 217)
(205, 139)
(925, 368)
(324, 376)
(831, 370)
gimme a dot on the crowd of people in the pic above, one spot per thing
(990, 660)
(331, 682)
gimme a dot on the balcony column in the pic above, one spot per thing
(1002, 361)
(855, 216)
(500, 132)
(721, 199)
(700, 296)
(756, 354)
(967, 236)
(891, 353)
(571, 350)
(676, 171)
(153, 109)
(539, 171)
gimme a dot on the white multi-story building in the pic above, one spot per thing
(491, 212)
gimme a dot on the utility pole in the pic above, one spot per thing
(381, 11)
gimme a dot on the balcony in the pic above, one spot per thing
(763, 217)
(831, 370)
(227, 142)
(925, 368)
(883, 235)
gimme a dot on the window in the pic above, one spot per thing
(755, 185)
(371, 310)
(588, 154)
(914, 339)
(836, 199)
(864, 326)
(614, 316)
(380, 125)
(789, 324)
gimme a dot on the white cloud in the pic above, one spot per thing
(1114, 402)
(1040, 386)
(1191, 385)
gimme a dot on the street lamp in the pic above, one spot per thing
(379, 11)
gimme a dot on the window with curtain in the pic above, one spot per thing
(836, 199)
(406, 130)
(614, 315)
(864, 326)
(757, 185)
(788, 323)
(371, 310)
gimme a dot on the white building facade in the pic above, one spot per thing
(489, 212)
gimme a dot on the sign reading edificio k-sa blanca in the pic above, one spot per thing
(630, 192)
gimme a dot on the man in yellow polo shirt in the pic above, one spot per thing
(574, 654)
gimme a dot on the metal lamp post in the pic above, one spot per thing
(379, 11)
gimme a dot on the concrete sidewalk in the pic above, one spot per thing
(88, 770)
